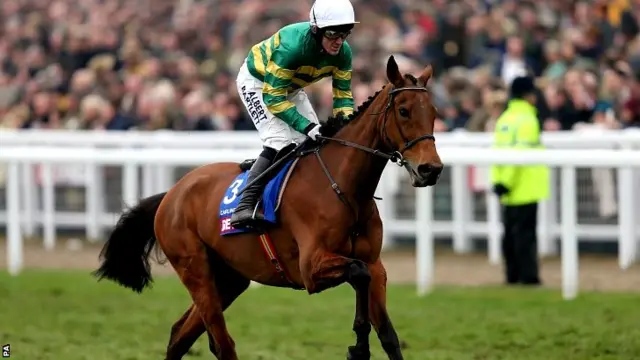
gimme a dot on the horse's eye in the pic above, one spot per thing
(404, 112)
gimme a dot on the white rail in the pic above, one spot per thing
(423, 227)
(249, 139)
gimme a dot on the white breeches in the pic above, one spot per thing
(273, 132)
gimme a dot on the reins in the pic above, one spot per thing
(395, 156)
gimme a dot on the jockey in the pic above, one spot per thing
(271, 85)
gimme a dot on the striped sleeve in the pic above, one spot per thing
(342, 95)
(277, 79)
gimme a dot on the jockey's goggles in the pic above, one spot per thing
(334, 35)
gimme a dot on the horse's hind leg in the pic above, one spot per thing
(190, 259)
(185, 332)
(230, 285)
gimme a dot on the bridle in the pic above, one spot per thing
(397, 155)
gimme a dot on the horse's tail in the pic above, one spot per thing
(125, 256)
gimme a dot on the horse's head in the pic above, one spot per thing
(407, 124)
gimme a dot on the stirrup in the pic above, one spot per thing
(251, 223)
(256, 215)
(250, 215)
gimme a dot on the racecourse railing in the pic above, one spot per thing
(248, 139)
(424, 227)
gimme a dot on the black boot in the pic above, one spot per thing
(246, 214)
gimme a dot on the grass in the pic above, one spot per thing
(67, 315)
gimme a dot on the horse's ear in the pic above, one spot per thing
(426, 75)
(393, 73)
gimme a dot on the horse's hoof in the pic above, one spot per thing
(357, 354)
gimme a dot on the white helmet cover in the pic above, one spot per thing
(325, 13)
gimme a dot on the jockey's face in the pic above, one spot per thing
(332, 39)
(332, 46)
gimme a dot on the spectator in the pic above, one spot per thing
(484, 119)
(520, 188)
(67, 50)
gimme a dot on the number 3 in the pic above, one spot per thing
(234, 191)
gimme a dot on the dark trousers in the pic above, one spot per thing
(520, 244)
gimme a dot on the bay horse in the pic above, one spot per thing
(329, 231)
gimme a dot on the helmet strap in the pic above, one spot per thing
(316, 32)
(317, 36)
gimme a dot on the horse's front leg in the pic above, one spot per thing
(322, 270)
(378, 310)
(360, 279)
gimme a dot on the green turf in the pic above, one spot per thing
(67, 315)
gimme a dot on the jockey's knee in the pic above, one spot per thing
(268, 153)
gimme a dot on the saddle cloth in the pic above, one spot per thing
(268, 203)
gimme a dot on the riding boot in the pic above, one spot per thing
(246, 213)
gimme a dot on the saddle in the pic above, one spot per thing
(291, 150)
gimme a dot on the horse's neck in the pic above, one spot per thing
(357, 172)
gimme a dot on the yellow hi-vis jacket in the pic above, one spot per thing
(518, 129)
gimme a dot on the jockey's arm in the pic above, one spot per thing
(277, 79)
(341, 83)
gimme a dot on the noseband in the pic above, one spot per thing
(397, 155)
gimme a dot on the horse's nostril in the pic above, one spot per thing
(424, 169)
(427, 169)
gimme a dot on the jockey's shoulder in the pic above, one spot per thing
(293, 34)
(297, 36)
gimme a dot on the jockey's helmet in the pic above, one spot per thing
(333, 14)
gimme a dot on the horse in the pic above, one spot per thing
(328, 231)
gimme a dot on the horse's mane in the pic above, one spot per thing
(336, 123)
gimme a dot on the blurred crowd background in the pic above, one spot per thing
(171, 64)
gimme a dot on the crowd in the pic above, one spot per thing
(166, 64)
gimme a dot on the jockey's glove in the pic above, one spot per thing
(313, 130)
(500, 189)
